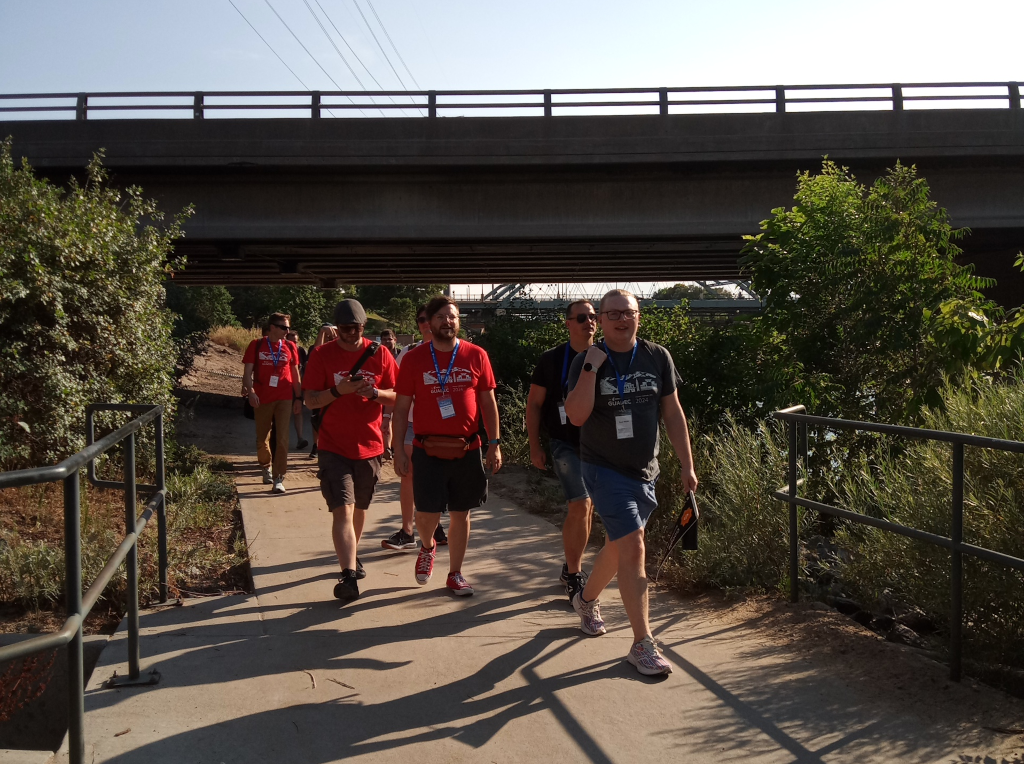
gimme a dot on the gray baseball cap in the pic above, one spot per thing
(349, 312)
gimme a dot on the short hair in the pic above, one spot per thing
(292, 332)
(421, 308)
(437, 304)
(386, 333)
(617, 293)
(571, 305)
(277, 317)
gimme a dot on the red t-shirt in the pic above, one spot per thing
(265, 369)
(351, 424)
(471, 374)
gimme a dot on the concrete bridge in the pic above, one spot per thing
(661, 196)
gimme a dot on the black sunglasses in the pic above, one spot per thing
(282, 326)
(421, 319)
(582, 318)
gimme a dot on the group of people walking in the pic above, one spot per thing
(600, 404)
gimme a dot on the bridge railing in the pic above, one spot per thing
(78, 605)
(548, 103)
(798, 420)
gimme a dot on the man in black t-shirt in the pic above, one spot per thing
(545, 407)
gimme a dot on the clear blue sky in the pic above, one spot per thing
(90, 45)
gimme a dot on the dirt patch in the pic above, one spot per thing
(539, 493)
(218, 370)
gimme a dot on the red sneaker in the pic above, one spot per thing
(424, 565)
(459, 586)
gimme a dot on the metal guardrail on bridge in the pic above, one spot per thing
(798, 419)
(79, 606)
(434, 103)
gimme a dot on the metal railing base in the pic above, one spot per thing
(142, 680)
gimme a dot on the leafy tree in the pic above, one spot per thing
(82, 306)
(198, 309)
(685, 291)
(309, 306)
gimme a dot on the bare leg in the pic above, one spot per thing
(426, 522)
(458, 539)
(575, 533)
(344, 536)
(633, 582)
(606, 565)
(358, 520)
(405, 497)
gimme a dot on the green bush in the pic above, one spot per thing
(309, 306)
(515, 344)
(81, 303)
(515, 441)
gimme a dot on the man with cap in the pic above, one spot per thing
(352, 383)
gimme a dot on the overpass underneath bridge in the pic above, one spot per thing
(549, 198)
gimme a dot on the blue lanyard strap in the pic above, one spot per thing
(621, 381)
(276, 357)
(442, 381)
(565, 369)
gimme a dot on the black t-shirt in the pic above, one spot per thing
(650, 377)
(551, 374)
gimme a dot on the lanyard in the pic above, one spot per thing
(621, 381)
(276, 357)
(451, 364)
(565, 368)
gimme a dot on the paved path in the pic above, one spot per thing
(409, 673)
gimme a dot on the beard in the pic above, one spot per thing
(446, 332)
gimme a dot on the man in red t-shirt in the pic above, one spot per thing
(451, 383)
(271, 380)
(351, 445)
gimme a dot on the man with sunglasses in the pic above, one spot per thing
(546, 405)
(351, 444)
(619, 392)
(272, 382)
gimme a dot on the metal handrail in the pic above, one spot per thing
(431, 102)
(78, 605)
(798, 420)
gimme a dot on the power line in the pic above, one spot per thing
(331, 41)
(374, 35)
(370, 3)
(268, 45)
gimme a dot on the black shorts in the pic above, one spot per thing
(456, 484)
(347, 481)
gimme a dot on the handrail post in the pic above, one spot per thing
(897, 98)
(547, 103)
(1014, 95)
(794, 588)
(197, 106)
(131, 561)
(315, 104)
(161, 515)
(82, 107)
(431, 103)
(956, 535)
(73, 597)
(663, 100)
(780, 100)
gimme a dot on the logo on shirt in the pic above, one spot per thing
(458, 376)
(634, 382)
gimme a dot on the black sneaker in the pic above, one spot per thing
(399, 540)
(360, 570)
(312, 452)
(564, 578)
(347, 589)
(440, 539)
(575, 583)
(302, 444)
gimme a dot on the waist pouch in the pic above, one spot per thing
(444, 446)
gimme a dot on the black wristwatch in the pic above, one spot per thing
(588, 366)
(334, 392)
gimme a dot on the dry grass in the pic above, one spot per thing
(234, 337)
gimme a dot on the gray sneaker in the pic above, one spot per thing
(279, 485)
(591, 622)
(647, 659)
(267, 480)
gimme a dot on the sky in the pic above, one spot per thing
(110, 45)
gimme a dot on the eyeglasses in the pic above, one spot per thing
(349, 328)
(283, 326)
(616, 315)
(421, 319)
(582, 318)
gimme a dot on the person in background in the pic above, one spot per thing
(297, 420)
(272, 382)
(328, 333)
(388, 340)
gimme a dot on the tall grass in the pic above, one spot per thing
(515, 441)
(236, 337)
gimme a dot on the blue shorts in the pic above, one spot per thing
(565, 462)
(624, 504)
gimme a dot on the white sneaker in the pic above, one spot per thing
(267, 480)
(279, 485)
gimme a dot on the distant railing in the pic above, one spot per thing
(434, 103)
(79, 606)
(798, 419)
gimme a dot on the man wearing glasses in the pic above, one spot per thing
(272, 383)
(546, 404)
(452, 384)
(618, 392)
(352, 382)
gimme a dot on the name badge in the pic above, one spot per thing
(624, 425)
(447, 407)
(561, 412)
(273, 381)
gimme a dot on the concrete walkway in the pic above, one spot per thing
(410, 673)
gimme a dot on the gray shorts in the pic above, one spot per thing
(565, 462)
(347, 481)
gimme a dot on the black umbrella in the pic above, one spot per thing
(686, 527)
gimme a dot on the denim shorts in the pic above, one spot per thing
(565, 462)
(624, 504)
